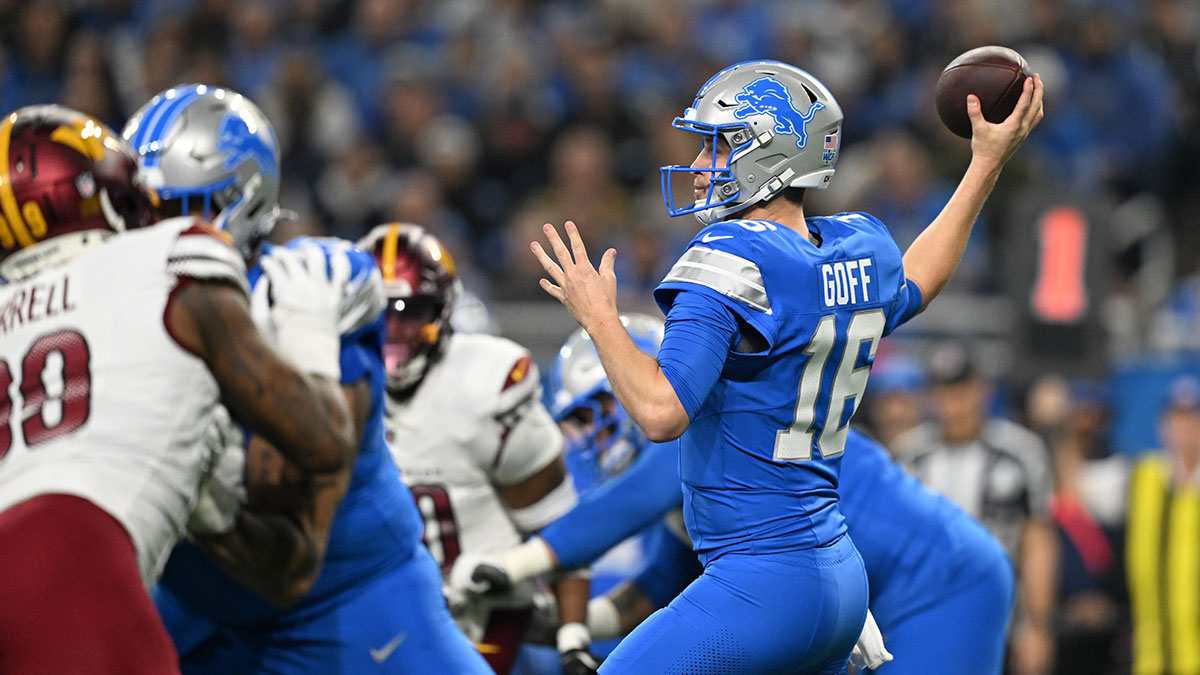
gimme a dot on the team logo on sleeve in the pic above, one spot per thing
(518, 372)
(768, 96)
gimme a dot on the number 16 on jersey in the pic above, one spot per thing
(821, 402)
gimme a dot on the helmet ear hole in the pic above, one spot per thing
(812, 97)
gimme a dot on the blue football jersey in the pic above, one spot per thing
(760, 459)
(377, 524)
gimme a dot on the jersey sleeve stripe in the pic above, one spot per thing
(207, 269)
(723, 272)
(198, 254)
(364, 299)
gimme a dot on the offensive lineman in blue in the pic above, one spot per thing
(772, 324)
(933, 570)
(375, 606)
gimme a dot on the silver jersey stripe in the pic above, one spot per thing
(723, 272)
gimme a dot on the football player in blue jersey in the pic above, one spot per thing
(772, 324)
(933, 570)
(375, 602)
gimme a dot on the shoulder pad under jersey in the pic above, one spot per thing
(203, 252)
(721, 258)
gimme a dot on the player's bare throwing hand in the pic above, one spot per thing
(590, 294)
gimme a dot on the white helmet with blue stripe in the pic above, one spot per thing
(783, 128)
(211, 152)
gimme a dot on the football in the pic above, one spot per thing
(995, 74)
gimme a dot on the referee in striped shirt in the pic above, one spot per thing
(999, 472)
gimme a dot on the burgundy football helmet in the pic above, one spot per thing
(418, 274)
(66, 182)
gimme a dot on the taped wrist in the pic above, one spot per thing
(526, 561)
(603, 619)
(572, 636)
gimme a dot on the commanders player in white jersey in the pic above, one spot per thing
(115, 354)
(473, 442)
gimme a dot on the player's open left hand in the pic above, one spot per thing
(995, 143)
(590, 294)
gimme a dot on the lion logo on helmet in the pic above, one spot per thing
(768, 96)
(240, 143)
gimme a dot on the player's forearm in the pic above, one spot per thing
(1039, 564)
(572, 593)
(305, 416)
(638, 383)
(617, 510)
(317, 432)
(268, 552)
(931, 259)
(277, 545)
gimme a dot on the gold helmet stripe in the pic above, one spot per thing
(391, 242)
(86, 136)
(12, 223)
(441, 254)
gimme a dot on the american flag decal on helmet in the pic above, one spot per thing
(831, 147)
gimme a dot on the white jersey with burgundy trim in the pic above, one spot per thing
(476, 422)
(97, 400)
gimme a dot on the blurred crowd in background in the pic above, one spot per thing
(1078, 299)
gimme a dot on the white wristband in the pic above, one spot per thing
(526, 560)
(548, 509)
(312, 345)
(603, 618)
(572, 636)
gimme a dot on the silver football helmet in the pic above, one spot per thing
(578, 373)
(215, 152)
(611, 441)
(782, 125)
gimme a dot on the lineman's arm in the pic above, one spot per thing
(533, 502)
(279, 541)
(603, 518)
(304, 415)
(617, 510)
(932, 258)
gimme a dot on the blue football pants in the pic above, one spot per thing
(794, 612)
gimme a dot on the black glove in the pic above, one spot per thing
(579, 662)
(480, 575)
